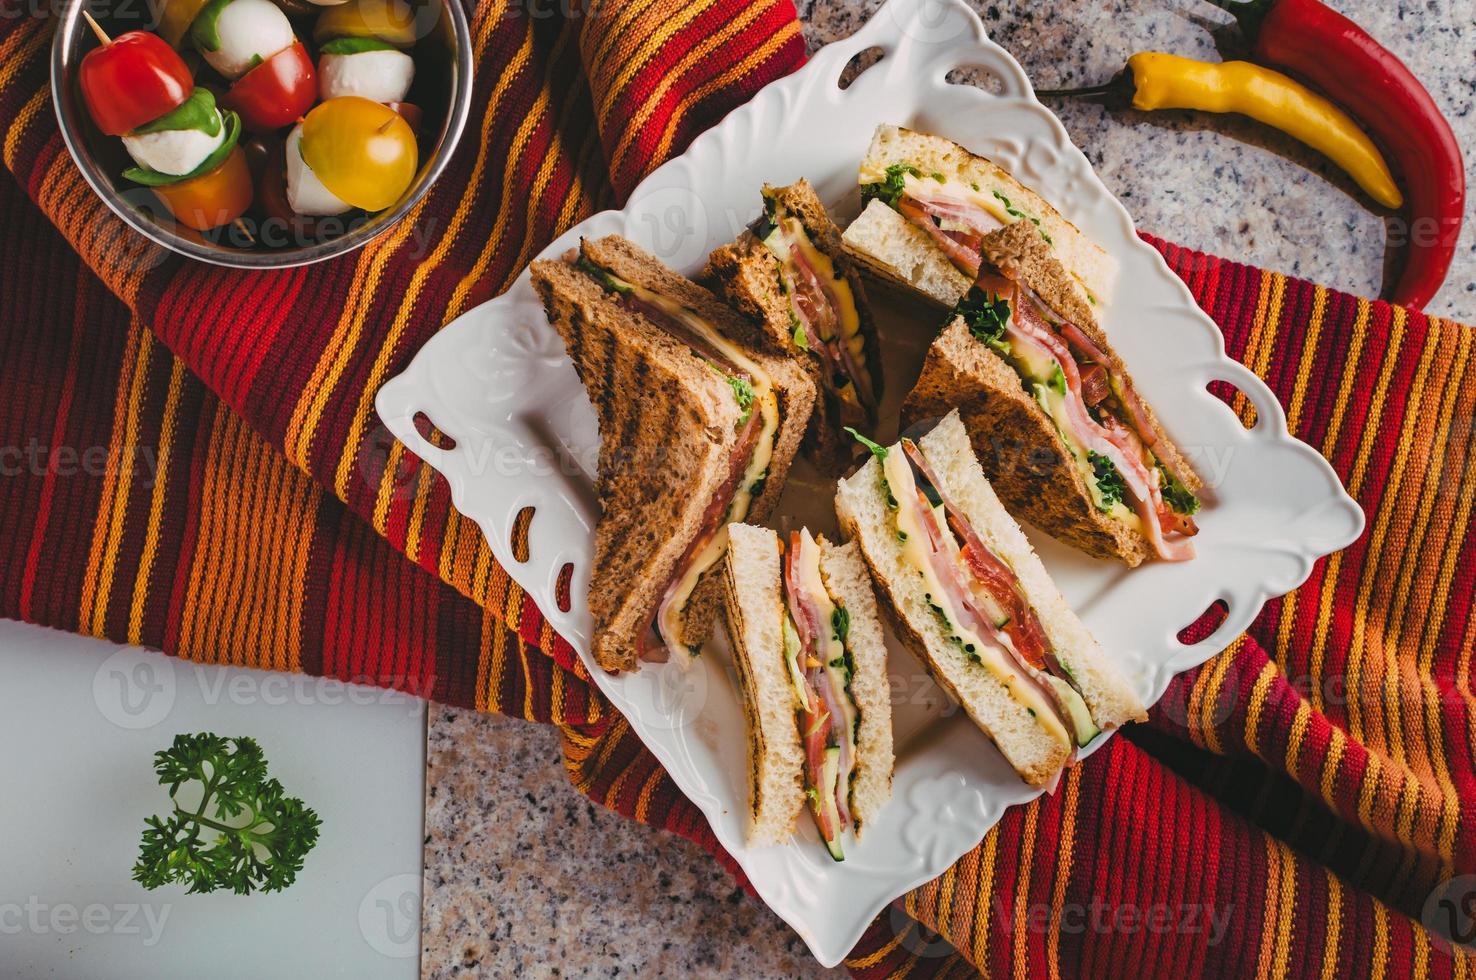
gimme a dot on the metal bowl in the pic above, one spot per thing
(442, 89)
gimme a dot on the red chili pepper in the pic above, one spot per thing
(1341, 58)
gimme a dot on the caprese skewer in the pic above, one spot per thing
(184, 148)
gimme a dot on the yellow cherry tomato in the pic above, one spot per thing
(394, 21)
(211, 199)
(362, 151)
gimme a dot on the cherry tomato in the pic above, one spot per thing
(276, 92)
(362, 151)
(133, 79)
(411, 112)
(395, 21)
(174, 17)
(212, 199)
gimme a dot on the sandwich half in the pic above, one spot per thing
(928, 202)
(1055, 417)
(697, 429)
(790, 274)
(812, 666)
(969, 597)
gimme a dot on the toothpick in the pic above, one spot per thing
(241, 227)
(102, 35)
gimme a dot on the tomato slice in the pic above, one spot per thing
(211, 199)
(276, 92)
(133, 79)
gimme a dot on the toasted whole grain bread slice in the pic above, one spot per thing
(748, 276)
(667, 432)
(1017, 444)
(1020, 254)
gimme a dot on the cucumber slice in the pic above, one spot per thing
(824, 799)
(1081, 719)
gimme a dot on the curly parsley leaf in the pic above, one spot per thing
(1177, 495)
(1110, 486)
(743, 395)
(840, 623)
(231, 827)
(890, 187)
(987, 316)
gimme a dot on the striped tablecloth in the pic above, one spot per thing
(189, 460)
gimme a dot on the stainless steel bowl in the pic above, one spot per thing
(443, 63)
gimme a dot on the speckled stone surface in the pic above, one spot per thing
(524, 876)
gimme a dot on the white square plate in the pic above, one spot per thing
(497, 381)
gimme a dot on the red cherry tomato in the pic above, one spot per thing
(410, 112)
(276, 92)
(133, 79)
(213, 199)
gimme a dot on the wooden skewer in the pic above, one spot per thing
(241, 227)
(102, 35)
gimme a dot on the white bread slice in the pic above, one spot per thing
(898, 252)
(754, 605)
(1107, 695)
(1088, 262)
(846, 579)
(1035, 753)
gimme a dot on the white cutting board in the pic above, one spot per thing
(80, 720)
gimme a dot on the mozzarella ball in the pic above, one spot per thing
(327, 3)
(173, 151)
(305, 192)
(379, 76)
(249, 30)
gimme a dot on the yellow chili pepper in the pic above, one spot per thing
(1166, 81)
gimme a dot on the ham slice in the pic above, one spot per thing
(823, 719)
(1108, 438)
(962, 248)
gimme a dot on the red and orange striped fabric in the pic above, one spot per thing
(189, 460)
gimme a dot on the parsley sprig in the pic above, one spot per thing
(244, 833)
(1109, 481)
(890, 187)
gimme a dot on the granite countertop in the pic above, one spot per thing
(523, 875)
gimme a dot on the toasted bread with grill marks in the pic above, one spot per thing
(748, 276)
(668, 428)
(1017, 445)
(1020, 254)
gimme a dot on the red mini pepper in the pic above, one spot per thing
(1341, 58)
(132, 79)
(276, 92)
